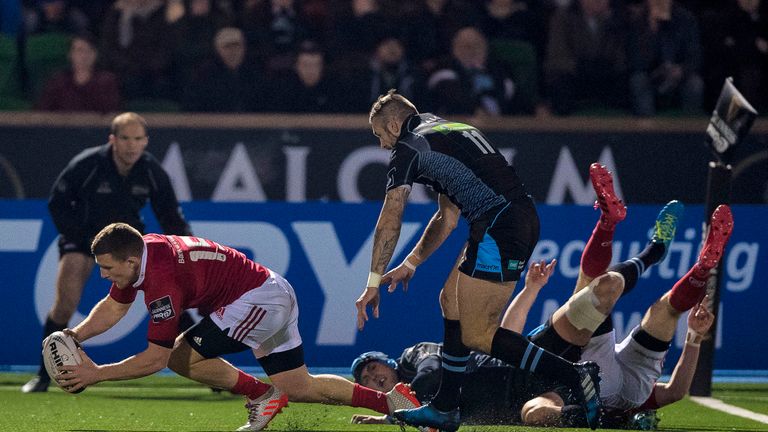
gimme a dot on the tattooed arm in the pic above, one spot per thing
(384, 242)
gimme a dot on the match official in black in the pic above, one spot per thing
(99, 186)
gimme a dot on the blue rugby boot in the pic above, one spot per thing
(666, 225)
(430, 416)
(587, 392)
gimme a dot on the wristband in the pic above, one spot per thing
(374, 279)
(409, 265)
(408, 262)
(692, 338)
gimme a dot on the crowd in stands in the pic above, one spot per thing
(453, 57)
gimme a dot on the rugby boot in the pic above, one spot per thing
(666, 225)
(612, 207)
(720, 228)
(263, 409)
(38, 384)
(429, 416)
(401, 397)
(587, 392)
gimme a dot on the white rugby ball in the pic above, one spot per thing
(60, 349)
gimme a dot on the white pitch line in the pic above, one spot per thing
(730, 409)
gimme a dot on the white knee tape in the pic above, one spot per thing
(581, 311)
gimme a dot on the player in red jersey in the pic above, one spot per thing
(245, 306)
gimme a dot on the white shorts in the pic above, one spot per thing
(265, 318)
(628, 371)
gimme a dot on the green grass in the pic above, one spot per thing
(168, 403)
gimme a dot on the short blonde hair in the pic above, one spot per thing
(127, 118)
(392, 104)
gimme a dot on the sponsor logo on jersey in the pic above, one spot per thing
(161, 309)
(220, 312)
(140, 190)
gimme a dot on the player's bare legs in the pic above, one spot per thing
(73, 272)
(481, 303)
(601, 298)
(660, 321)
(215, 372)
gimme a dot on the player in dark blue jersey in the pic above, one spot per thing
(475, 181)
(101, 185)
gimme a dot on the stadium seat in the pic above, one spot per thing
(10, 78)
(519, 59)
(46, 53)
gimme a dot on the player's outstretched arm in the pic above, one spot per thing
(700, 320)
(440, 226)
(102, 317)
(517, 313)
(147, 362)
(384, 241)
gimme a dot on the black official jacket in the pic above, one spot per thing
(90, 194)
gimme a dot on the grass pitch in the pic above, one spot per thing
(169, 403)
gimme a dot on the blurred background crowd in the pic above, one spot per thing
(480, 57)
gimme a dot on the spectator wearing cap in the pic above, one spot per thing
(226, 83)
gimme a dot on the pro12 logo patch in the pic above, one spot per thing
(161, 309)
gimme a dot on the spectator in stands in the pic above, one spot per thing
(432, 28)
(195, 30)
(356, 31)
(47, 16)
(521, 20)
(308, 88)
(137, 43)
(469, 84)
(227, 83)
(586, 60)
(664, 54)
(274, 29)
(387, 69)
(81, 87)
(737, 45)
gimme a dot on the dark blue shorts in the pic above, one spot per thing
(501, 242)
(66, 246)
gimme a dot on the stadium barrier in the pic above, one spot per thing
(324, 250)
(259, 158)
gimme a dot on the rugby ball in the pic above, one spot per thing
(60, 349)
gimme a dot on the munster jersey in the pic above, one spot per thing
(180, 272)
(456, 160)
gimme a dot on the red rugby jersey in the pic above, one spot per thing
(182, 272)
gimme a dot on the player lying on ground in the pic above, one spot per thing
(246, 306)
(595, 259)
(630, 369)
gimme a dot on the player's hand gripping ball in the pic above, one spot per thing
(60, 349)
